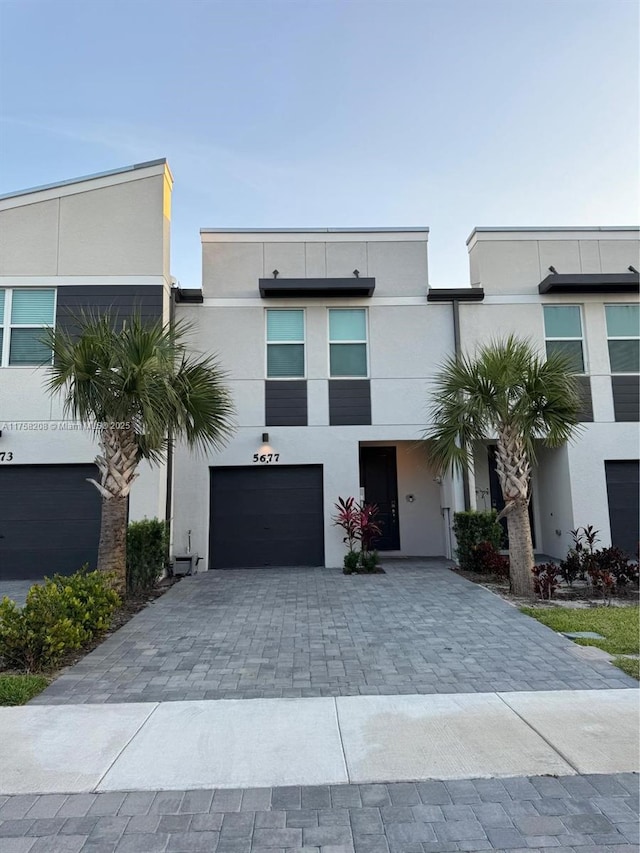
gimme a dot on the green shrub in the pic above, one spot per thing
(90, 599)
(471, 528)
(369, 561)
(351, 560)
(60, 615)
(37, 635)
(146, 553)
(18, 689)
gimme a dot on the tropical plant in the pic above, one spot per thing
(488, 560)
(545, 579)
(368, 527)
(507, 391)
(470, 528)
(138, 389)
(359, 522)
(347, 517)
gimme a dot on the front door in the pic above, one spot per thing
(497, 501)
(379, 479)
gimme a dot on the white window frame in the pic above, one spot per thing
(365, 342)
(268, 343)
(8, 326)
(581, 338)
(618, 337)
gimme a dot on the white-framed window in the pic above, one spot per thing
(563, 333)
(25, 313)
(623, 337)
(348, 357)
(285, 343)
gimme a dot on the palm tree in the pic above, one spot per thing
(509, 392)
(137, 388)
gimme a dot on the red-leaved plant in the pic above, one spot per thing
(348, 518)
(358, 522)
(368, 528)
(545, 579)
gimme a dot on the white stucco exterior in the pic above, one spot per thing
(569, 486)
(107, 232)
(407, 338)
(112, 231)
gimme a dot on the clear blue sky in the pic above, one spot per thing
(446, 113)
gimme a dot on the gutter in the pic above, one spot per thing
(168, 507)
(456, 344)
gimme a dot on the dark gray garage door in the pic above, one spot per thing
(49, 520)
(623, 485)
(266, 517)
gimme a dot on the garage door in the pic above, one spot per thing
(623, 485)
(49, 520)
(266, 517)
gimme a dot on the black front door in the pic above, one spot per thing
(379, 479)
(497, 501)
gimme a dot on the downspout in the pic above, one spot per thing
(168, 499)
(456, 343)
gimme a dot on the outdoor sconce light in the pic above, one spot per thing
(553, 270)
(265, 438)
(356, 273)
(276, 273)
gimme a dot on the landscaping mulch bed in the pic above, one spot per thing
(580, 594)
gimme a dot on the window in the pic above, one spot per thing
(623, 333)
(347, 342)
(24, 315)
(563, 333)
(285, 344)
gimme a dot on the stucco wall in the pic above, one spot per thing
(111, 230)
(513, 262)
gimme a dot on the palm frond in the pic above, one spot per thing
(505, 384)
(142, 375)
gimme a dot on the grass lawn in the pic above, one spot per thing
(620, 627)
(18, 689)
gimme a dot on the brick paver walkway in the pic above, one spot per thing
(316, 632)
(573, 813)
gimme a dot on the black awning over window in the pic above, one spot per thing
(622, 282)
(459, 294)
(315, 287)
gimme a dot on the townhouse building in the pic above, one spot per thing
(330, 339)
(573, 290)
(81, 246)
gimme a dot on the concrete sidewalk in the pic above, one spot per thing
(317, 741)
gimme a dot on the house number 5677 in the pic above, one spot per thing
(266, 458)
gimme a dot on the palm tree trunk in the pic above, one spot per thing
(112, 550)
(520, 549)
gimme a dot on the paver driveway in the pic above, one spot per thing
(419, 628)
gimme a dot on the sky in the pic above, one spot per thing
(334, 113)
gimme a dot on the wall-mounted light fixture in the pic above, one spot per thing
(632, 269)
(553, 270)
(276, 273)
(265, 438)
(356, 273)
